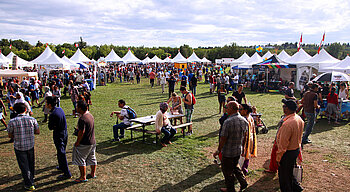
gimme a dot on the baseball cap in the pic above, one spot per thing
(291, 104)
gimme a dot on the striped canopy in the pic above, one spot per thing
(274, 63)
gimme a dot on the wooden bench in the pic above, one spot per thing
(183, 127)
(136, 127)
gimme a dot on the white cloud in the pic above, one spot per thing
(166, 22)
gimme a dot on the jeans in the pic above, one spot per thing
(310, 124)
(286, 179)
(231, 171)
(61, 143)
(26, 163)
(120, 126)
(169, 133)
(194, 90)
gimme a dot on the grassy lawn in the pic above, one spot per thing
(187, 164)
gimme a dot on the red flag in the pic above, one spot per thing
(146, 54)
(0, 51)
(47, 44)
(301, 40)
(129, 49)
(63, 52)
(11, 46)
(179, 50)
(76, 45)
(322, 41)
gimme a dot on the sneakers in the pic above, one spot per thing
(29, 188)
(115, 140)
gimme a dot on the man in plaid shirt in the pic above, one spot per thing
(22, 130)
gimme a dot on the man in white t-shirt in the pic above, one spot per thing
(235, 81)
(227, 83)
(122, 115)
(167, 75)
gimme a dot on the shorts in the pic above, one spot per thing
(188, 115)
(84, 155)
(332, 108)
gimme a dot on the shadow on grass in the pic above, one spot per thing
(120, 150)
(198, 177)
(266, 182)
(207, 136)
(214, 186)
(204, 118)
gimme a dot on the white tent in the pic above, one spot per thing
(284, 55)
(205, 60)
(267, 55)
(4, 61)
(129, 57)
(113, 57)
(342, 66)
(194, 58)
(53, 62)
(322, 60)
(179, 58)
(73, 65)
(244, 57)
(299, 57)
(44, 55)
(79, 57)
(167, 60)
(254, 59)
(20, 62)
(17, 73)
(147, 60)
(156, 59)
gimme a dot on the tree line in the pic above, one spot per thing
(29, 52)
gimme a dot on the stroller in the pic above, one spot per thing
(260, 126)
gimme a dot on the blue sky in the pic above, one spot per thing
(174, 23)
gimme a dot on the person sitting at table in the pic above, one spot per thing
(122, 115)
(332, 106)
(163, 125)
(175, 108)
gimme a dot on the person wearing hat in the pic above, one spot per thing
(288, 141)
(163, 125)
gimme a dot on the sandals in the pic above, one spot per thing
(80, 181)
(89, 176)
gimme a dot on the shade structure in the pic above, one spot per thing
(284, 55)
(73, 65)
(156, 59)
(83, 66)
(113, 57)
(146, 60)
(17, 73)
(129, 57)
(53, 62)
(179, 58)
(341, 66)
(20, 62)
(4, 61)
(194, 58)
(268, 54)
(332, 76)
(254, 59)
(79, 57)
(168, 60)
(274, 63)
(322, 60)
(205, 60)
(44, 55)
(299, 57)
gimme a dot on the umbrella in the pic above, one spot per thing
(332, 76)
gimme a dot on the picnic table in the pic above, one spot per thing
(149, 120)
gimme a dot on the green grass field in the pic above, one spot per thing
(184, 166)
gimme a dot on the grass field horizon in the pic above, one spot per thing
(186, 165)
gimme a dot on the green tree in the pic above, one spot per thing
(335, 49)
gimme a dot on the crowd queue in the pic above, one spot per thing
(237, 134)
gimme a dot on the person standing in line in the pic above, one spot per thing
(239, 94)
(288, 143)
(235, 81)
(162, 82)
(152, 76)
(85, 146)
(22, 129)
(194, 84)
(187, 100)
(57, 123)
(232, 137)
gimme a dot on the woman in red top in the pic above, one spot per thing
(332, 106)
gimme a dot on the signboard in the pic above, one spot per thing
(14, 62)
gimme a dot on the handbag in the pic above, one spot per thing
(298, 173)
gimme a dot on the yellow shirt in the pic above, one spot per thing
(289, 135)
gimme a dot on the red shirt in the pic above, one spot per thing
(152, 75)
(332, 99)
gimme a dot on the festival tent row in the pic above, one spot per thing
(4, 61)
(341, 66)
(20, 62)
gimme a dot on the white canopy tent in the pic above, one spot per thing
(179, 58)
(267, 55)
(284, 55)
(342, 66)
(73, 65)
(156, 59)
(17, 73)
(79, 57)
(53, 62)
(167, 60)
(113, 57)
(44, 55)
(4, 61)
(299, 57)
(244, 57)
(147, 60)
(129, 57)
(322, 60)
(255, 58)
(194, 58)
(20, 62)
(205, 60)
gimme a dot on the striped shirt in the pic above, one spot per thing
(234, 130)
(22, 127)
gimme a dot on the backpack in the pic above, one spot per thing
(131, 113)
(194, 101)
